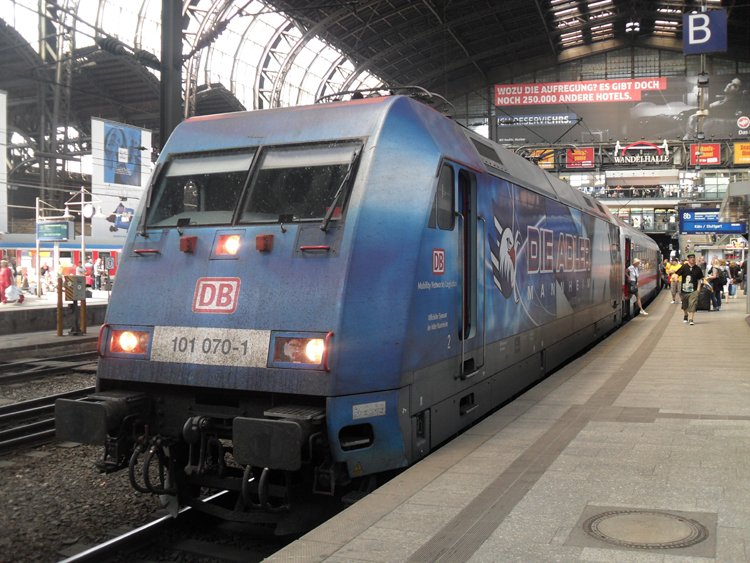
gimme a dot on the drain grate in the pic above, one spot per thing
(645, 529)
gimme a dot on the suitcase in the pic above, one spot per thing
(704, 300)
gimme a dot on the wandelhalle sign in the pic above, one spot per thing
(603, 111)
(641, 153)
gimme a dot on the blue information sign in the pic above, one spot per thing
(694, 221)
(704, 32)
(56, 231)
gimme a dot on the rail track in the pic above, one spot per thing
(32, 422)
(42, 367)
(192, 535)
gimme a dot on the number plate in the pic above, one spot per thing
(210, 346)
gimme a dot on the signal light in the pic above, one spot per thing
(228, 245)
(129, 342)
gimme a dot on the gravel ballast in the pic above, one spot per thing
(54, 499)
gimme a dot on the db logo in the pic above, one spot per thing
(438, 261)
(743, 122)
(216, 295)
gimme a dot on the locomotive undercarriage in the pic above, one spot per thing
(267, 452)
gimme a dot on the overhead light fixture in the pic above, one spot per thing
(632, 27)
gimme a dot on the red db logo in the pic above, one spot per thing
(216, 295)
(438, 261)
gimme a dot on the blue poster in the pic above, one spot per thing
(122, 155)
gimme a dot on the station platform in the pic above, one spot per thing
(635, 451)
(29, 329)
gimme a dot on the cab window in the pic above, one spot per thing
(199, 190)
(443, 207)
(301, 183)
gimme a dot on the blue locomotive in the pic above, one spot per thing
(316, 294)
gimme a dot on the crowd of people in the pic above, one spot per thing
(16, 282)
(639, 192)
(696, 284)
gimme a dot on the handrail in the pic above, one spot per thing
(463, 292)
(484, 287)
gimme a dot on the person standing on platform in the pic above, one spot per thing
(663, 278)
(689, 274)
(734, 279)
(98, 273)
(716, 277)
(674, 279)
(632, 275)
(6, 279)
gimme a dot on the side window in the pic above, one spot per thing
(443, 210)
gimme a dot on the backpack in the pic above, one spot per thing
(721, 276)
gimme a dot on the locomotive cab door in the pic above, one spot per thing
(472, 234)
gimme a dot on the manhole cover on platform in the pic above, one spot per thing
(645, 529)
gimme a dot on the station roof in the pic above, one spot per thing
(456, 46)
(452, 47)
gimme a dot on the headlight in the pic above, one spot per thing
(228, 245)
(314, 350)
(300, 351)
(129, 342)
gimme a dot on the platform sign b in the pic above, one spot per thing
(704, 32)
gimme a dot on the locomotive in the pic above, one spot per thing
(312, 295)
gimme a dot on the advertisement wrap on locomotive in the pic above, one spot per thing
(318, 294)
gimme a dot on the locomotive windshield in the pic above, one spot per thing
(202, 190)
(301, 183)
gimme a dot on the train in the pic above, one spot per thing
(314, 296)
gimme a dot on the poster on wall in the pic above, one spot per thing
(579, 158)
(705, 154)
(122, 164)
(3, 162)
(625, 109)
(742, 153)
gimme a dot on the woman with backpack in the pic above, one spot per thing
(718, 279)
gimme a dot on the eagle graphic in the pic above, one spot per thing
(504, 260)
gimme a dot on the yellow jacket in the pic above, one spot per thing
(671, 269)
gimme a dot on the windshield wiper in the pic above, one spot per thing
(337, 196)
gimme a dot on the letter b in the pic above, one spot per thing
(224, 297)
(699, 31)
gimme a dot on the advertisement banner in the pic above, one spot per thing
(3, 162)
(742, 153)
(121, 167)
(580, 158)
(544, 158)
(607, 110)
(705, 154)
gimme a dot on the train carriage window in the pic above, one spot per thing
(301, 184)
(443, 210)
(205, 189)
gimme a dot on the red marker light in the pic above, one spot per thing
(264, 243)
